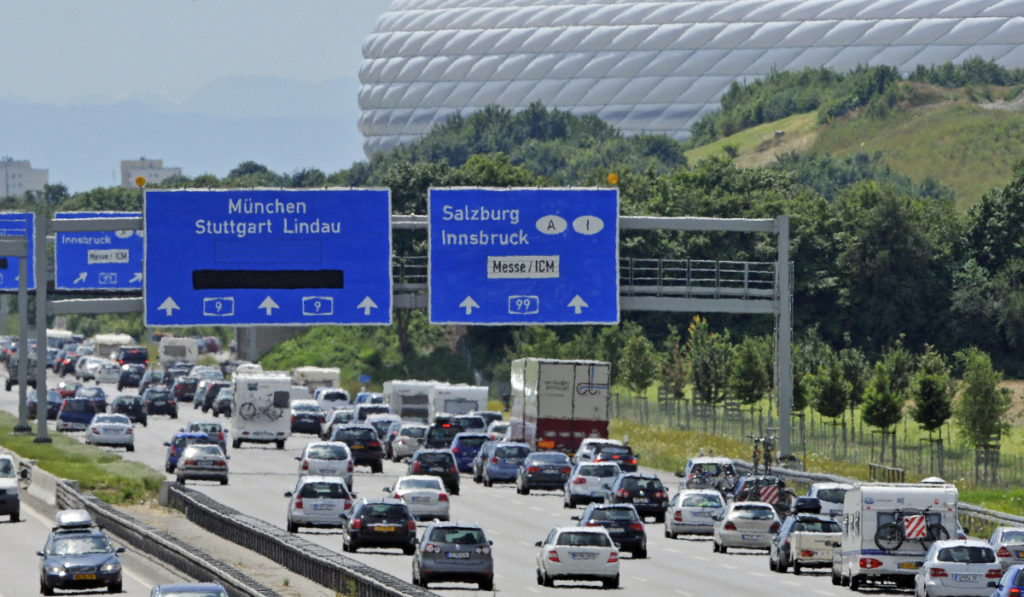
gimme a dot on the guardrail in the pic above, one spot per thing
(315, 562)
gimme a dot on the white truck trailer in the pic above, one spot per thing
(409, 398)
(260, 410)
(456, 399)
(888, 527)
(566, 400)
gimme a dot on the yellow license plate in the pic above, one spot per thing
(85, 577)
(357, 447)
(908, 565)
(386, 528)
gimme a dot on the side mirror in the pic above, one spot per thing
(287, 494)
(490, 542)
(679, 474)
(167, 443)
(119, 550)
(716, 517)
(298, 458)
(575, 517)
(23, 473)
(967, 531)
(538, 544)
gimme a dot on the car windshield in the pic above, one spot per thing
(205, 427)
(511, 451)
(324, 490)
(817, 526)
(579, 538)
(472, 441)
(435, 458)
(158, 394)
(341, 416)
(6, 468)
(79, 406)
(753, 513)
(599, 470)
(305, 406)
(334, 396)
(73, 546)
(328, 452)
(614, 451)
(111, 419)
(835, 495)
(638, 484)
(420, 483)
(458, 535)
(207, 450)
(196, 593)
(549, 458)
(1013, 537)
(364, 435)
(614, 514)
(967, 554)
(702, 500)
(417, 432)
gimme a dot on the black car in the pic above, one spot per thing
(644, 491)
(306, 417)
(53, 402)
(184, 388)
(79, 558)
(380, 522)
(133, 354)
(623, 523)
(543, 470)
(160, 401)
(153, 377)
(212, 389)
(441, 434)
(620, 455)
(362, 441)
(131, 376)
(440, 463)
(67, 365)
(132, 406)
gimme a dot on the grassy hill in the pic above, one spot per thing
(965, 138)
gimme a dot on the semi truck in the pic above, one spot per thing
(260, 409)
(456, 399)
(409, 398)
(565, 401)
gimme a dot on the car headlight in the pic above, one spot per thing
(111, 567)
(55, 570)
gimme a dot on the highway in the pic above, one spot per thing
(260, 475)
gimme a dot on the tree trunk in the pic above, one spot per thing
(894, 447)
(844, 436)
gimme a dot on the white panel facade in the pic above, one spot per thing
(647, 66)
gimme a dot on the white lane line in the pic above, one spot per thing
(684, 593)
(640, 578)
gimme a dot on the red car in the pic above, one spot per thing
(68, 389)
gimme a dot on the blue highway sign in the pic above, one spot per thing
(18, 224)
(524, 256)
(102, 260)
(267, 257)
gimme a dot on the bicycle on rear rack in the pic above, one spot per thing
(907, 526)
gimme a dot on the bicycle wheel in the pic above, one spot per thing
(936, 532)
(247, 411)
(889, 537)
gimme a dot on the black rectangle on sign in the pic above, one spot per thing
(210, 279)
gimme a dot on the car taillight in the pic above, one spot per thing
(357, 524)
(1003, 552)
(128, 431)
(411, 525)
(397, 496)
(613, 557)
(220, 436)
(869, 563)
(494, 460)
(95, 431)
(730, 525)
(348, 504)
(622, 493)
(483, 549)
(351, 467)
(579, 481)
(632, 461)
(293, 418)
(553, 556)
(566, 471)
(453, 470)
(533, 469)
(806, 553)
(416, 467)
(305, 465)
(774, 528)
(455, 450)
(298, 502)
(679, 516)
(443, 497)
(431, 548)
(1014, 592)
(219, 463)
(994, 573)
(659, 494)
(636, 526)
(937, 572)
(190, 462)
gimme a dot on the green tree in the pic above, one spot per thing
(710, 355)
(981, 411)
(932, 390)
(883, 405)
(829, 391)
(675, 367)
(639, 363)
(855, 371)
(749, 376)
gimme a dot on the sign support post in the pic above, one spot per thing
(41, 399)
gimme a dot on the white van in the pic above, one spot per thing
(888, 527)
(261, 408)
(456, 399)
(174, 350)
(331, 398)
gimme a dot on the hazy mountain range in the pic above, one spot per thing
(284, 125)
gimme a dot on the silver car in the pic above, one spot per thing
(1008, 543)
(424, 494)
(452, 551)
(590, 482)
(202, 461)
(749, 525)
(318, 501)
(409, 439)
(111, 430)
(327, 458)
(693, 511)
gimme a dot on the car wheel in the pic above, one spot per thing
(181, 480)
(796, 567)
(548, 581)
(45, 589)
(115, 588)
(292, 527)
(15, 516)
(377, 467)
(237, 443)
(526, 490)
(854, 582)
(782, 565)
(224, 481)
(119, 387)
(174, 414)
(723, 549)
(488, 482)
(611, 584)
(131, 447)
(8, 386)
(280, 444)
(714, 546)
(486, 585)
(641, 553)
(409, 550)
(455, 490)
(145, 423)
(836, 579)
(352, 546)
(540, 579)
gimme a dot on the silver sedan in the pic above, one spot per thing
(693, 511)
(748, 525)
(111, 430)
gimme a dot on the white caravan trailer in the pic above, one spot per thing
(261, 408)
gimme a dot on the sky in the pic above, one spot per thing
(183, 58)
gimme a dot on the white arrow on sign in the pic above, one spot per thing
(578, 303)
(366, 304)
(80, 278)
(168, 306)
(136, 278)
(469, 304)
(269, 305)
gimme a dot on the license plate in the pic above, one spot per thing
(1020, 554)
(420, 499)
(908, 565)
(577, 555)
(702, 514)
(966, 577)
(550, 469)
(459, 555)
(159, 403)
(642, 501)
(436, 469)
(751, 537)
(323, 506)
(385, 528)
(357, 447)
(85, 577)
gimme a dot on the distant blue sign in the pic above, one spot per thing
(107, 260)
(524, 256)
(18, 224)
(268, 257)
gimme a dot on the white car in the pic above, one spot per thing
(831, 496)
(424, 494)
(10, 496)
(409, 439)
(749, 525)
(496, 429)
(327, 458)
(578, 553)
(111, 430)
(693, 511)
(108, 372)
(590, 482)
(1009, 545)
(86, 367)
(587, 449)
(958, 567)
(318, 501)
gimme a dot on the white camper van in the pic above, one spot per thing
(456, 399)
(888, 527)
(409, 398)
(261, 408)
(316, 377)
(174, 350)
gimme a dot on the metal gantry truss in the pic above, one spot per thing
(646, 284)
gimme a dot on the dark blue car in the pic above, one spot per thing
(504, 462)
(1012, 582)
(465, 446)
(79, 558)
(177, 445)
